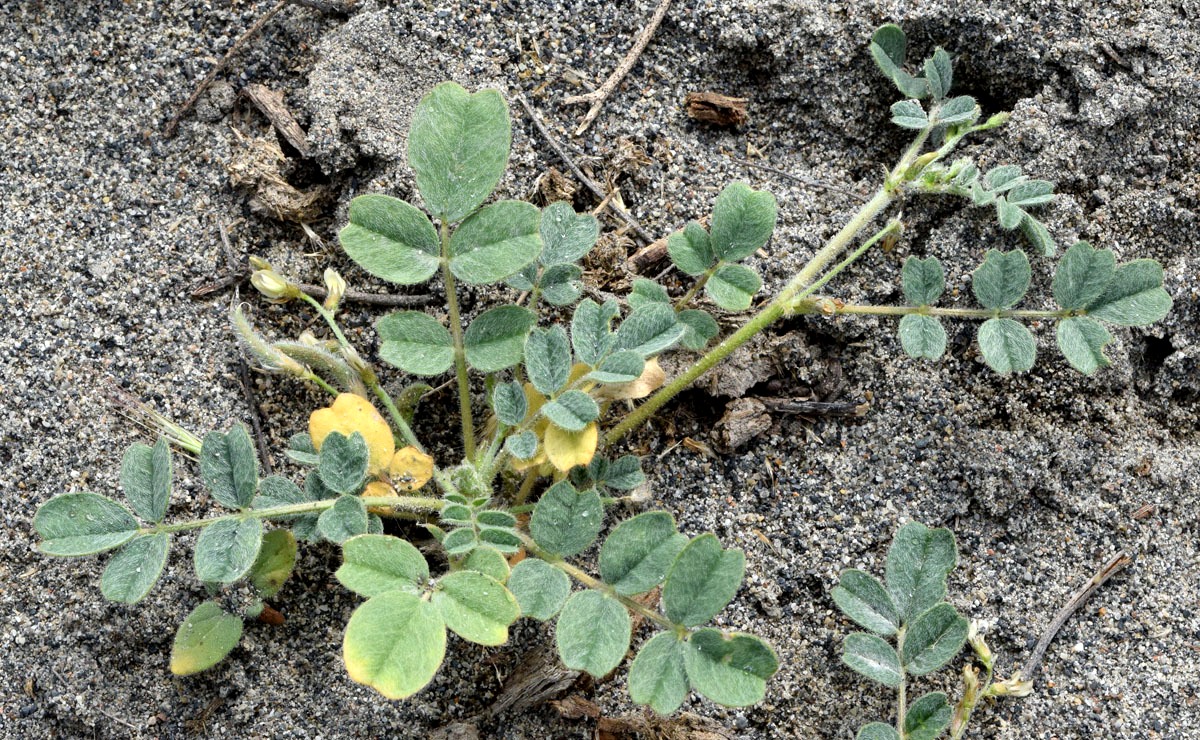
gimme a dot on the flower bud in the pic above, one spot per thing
(273, 286)
(336, 287)
(982, 651)
(258, 263)
(1014, 686)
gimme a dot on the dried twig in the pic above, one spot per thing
(817, 408)
(600, 94)
(588, 182)
(270, 103)
(252, 31)
(1114, 565)
(264, 452)
(799, 179)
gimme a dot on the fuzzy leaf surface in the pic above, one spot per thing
(1082, 275)
(344, 461)
(146, 479)
(923, 280)
(1082, 341)
(275, 562)
(566, 236)
(1001, 281)
(657, 676)
(495, 242)
(548, 359)
(729, 669)
(932, 639)
(572, 411)
(918, 562)
(873, 658)
(1007, 346)
(742, 221)
(478, 608)
(591, 333)
(638, 553)
(649, 330)
(82, 524)
(593, 633)
(509, 403)
(134, 570)
(877, 731)
(625, 366)
(495, 340)
(1134, 297)
(345, 519)
(732, 287)
(206, 636)
(540, 588)
(922, 336)
(928, 717)
(701, 328)
(226, 550)
(229, 467)
(458, 146)
(566, 521)
(863, 598)
(373, 564)
(690, 249)
(391, 239)
(909, 114)
(394, 643)
(415, 342)
(701, 581)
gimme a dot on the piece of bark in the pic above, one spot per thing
(717, 109)
(270, 103)
(744, 419)
(538, 678)
(258, 167)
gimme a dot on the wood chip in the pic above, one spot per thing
(270, 102)
(717, 109)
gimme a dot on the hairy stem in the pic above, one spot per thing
(460, 355)
(692, 292)
(406, 503)
(826, 306)
(901, 699)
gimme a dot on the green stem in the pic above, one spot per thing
(408, 503)
(364, 371)
(807, 306)
(687, 297)
(460, 355)
(595, 584)
(959, 728)
(324, 385)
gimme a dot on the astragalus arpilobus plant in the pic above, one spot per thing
(545, 385)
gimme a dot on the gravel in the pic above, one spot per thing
(106, 226)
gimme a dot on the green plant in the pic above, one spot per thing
(556, 368)
(928, 632)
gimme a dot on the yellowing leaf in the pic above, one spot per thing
(378, 488)
(568, 449)
(351, 413)
(410, 469)
(651, 380)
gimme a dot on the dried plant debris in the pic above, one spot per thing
(717, 109)
(259, 167)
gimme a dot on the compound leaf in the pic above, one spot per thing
(226, 549)
(1082, 341)
(391, 239)
(540, 588)
(691, 249)
(873, 658)
(593, 633)
(135, 568)
(394, 643)
(82, 524)
(1007, 346)
(415, 342)
(918, 562)
(729, 669)
(495, 340)
(657, 676)
(932, 639)
(373, 564)
(566, 521)
(206, 636)
(476, 607)
(495, 242)
(458, 146)
(742, 221)
(701, 581)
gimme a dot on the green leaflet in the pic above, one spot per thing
(649, 330)
(572, 411)
(1001, 281)
(394, 643)
(657, 676)
(1134, 297)
(495, 340)
(458, 146)
(146, 479)
(638, 553)
(540, 588)
(204, 639)
(226, 549)
(873, 658)
(922, 336)
(877, 731)
(732, 287)
(702, 580)
(1082, 341)
(548, 359)
(691, 249)
(343, 462)
(566, 236)
(1007, 346)
(620, 367)
(593, 633)
(1082, 275)
(928, 717)
(565, 521)
(135, 568)
(82, 524)
(373, 564)
(909, 114)
(591, 335)
(229, 467)
(495, 242)
(923, 280)
(700, 328)
(415, 342)
(275, 562)
(476, 607)
(918, 562)
(932, 639)
(509, 403)
(729, 669)
(391, 239)
(863, 598)
(345, 519)
(742, 221)
(488, 561)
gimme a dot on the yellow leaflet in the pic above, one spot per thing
(568, 449)
(351, 413)
(410, 469)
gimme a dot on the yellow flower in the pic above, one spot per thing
(410, 469)
(349, 414)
